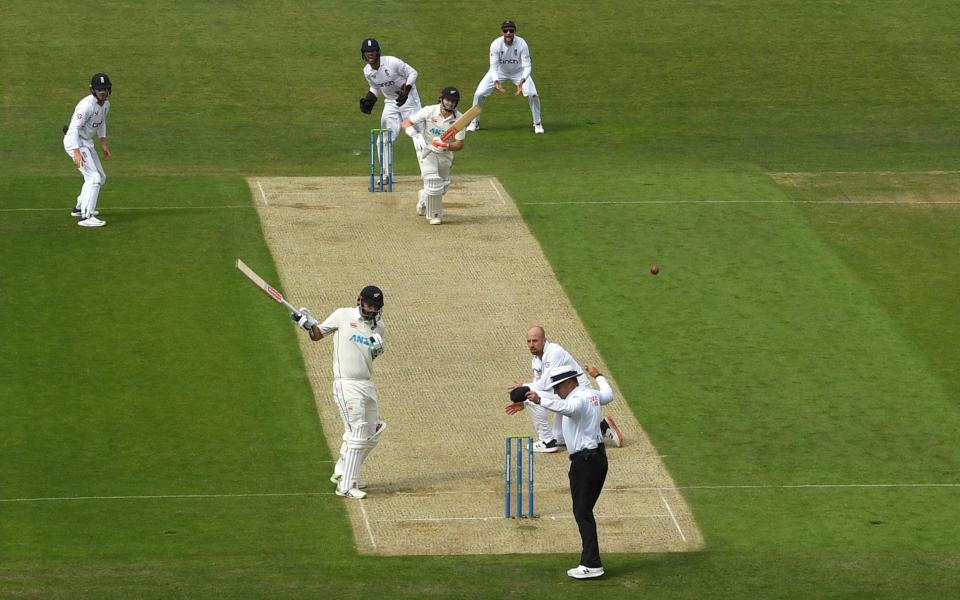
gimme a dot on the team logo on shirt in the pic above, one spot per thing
(353, 324)
(359, 339)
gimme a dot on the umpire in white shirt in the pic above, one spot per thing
(580, 404)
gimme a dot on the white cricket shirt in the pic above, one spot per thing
(581, 428)
(88, 118)
(507, 61)
(435, 124)
(352, 356)
(553, 355)
(392, 73)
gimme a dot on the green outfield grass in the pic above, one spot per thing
(794, 361)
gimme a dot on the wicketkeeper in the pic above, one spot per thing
(397, 81)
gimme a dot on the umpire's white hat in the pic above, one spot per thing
(561, 373)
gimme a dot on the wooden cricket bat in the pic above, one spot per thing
(461, 123)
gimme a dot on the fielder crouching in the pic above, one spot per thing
(358, 333)
(435, 156)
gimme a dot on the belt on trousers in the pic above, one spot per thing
(586, 453)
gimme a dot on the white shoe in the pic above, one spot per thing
(612, 433)
(91, 222)
(582, 572)
(353, 493)
(538, 128)
(545, 447)
(435, 221)
(422, 203)
(474, 125)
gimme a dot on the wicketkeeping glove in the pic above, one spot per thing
(367, 103)
(404, 92)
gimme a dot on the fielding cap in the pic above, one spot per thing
(508, 24)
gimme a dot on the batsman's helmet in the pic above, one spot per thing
(370, 45)
(101, 81)
(373, 296)
(450, 93)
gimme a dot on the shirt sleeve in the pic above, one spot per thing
(421, 115)
(368, 75)
(559, 405)
(79, 117)
(525, 61)
(606, 392)
(410, 72)
(331, 323)
(494, 60)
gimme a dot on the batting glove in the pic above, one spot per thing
(376, 345)
(419, 144)
(305, 320)
(439, 146)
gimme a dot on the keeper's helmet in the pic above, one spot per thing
(369, 45)
(373, 296)
(451, 94)
(101, 81)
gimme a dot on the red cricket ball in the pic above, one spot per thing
(654, 270)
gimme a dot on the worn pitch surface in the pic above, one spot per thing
(459, 300)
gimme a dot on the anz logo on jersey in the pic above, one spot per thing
(362, 340)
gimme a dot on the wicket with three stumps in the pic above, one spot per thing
(520, 439)
(381, 165)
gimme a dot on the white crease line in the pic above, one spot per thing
(499, 195)
(856, 202)
(521, 520)
(134, 208)
(672, 516)
(366, 522)
(262, 194)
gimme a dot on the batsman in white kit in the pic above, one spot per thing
(397, 81)
(89, 119)
(546, 357)
(509, 61)
(436, 155)
(358, 339)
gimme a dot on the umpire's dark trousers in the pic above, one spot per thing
(588, 471)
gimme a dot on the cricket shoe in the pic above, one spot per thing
(353, 493)
(473, 126)
(435, 221)
(91, 222)
(582, 572)
(611, 433)
(76, 212)
(545, 447)
(537, 128)
(422, 203)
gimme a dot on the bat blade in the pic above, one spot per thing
(265, 287)
(461, 123)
